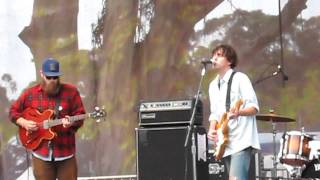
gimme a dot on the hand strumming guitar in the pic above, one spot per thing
(212, 132)
(27, 124)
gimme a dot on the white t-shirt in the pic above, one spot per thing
(243, 131)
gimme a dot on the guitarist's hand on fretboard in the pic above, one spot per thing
(233, 113)
(66, 122)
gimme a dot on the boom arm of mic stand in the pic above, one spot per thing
(265, 78)
(280, 70)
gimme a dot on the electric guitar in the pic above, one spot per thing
(32, 139)
(223, 130)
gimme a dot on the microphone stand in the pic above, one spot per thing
(279, 71)
(266, 77)
(191, 127)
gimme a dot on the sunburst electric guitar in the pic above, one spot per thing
(223, 130)
(32, 139)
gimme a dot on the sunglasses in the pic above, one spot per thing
(52, 77)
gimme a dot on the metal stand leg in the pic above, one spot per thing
(274, 133)
(193, 150)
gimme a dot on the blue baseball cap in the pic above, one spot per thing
(50, 67)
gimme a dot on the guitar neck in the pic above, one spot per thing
(55, 122)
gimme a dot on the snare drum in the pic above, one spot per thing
(294, 148)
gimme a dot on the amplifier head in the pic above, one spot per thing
(170, 112)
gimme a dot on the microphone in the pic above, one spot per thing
(205, 62)
(284, 76)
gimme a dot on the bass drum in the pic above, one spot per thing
(312, 169)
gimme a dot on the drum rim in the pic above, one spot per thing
(294, 157)
(298, 133)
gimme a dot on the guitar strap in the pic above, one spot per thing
(56, 108)
(228, 92)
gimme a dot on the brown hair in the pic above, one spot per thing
(228, 52)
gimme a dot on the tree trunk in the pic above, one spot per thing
(117, 88)
(53, 29)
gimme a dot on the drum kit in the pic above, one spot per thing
(299, 152)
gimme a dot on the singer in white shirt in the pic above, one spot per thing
(242, 126)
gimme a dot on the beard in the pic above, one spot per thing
(51, 88)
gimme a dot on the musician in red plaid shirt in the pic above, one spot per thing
(54, 159)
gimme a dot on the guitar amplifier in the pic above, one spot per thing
(175, 112)
(161, 154)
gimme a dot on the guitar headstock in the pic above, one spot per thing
(98, 114)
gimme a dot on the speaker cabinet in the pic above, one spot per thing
(161, 154)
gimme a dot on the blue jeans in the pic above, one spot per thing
(238, 164)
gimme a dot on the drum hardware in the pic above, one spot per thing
(294, 171)
(274, 118)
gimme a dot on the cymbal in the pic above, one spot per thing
(274, 118)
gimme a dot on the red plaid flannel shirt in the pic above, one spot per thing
(70, 101)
